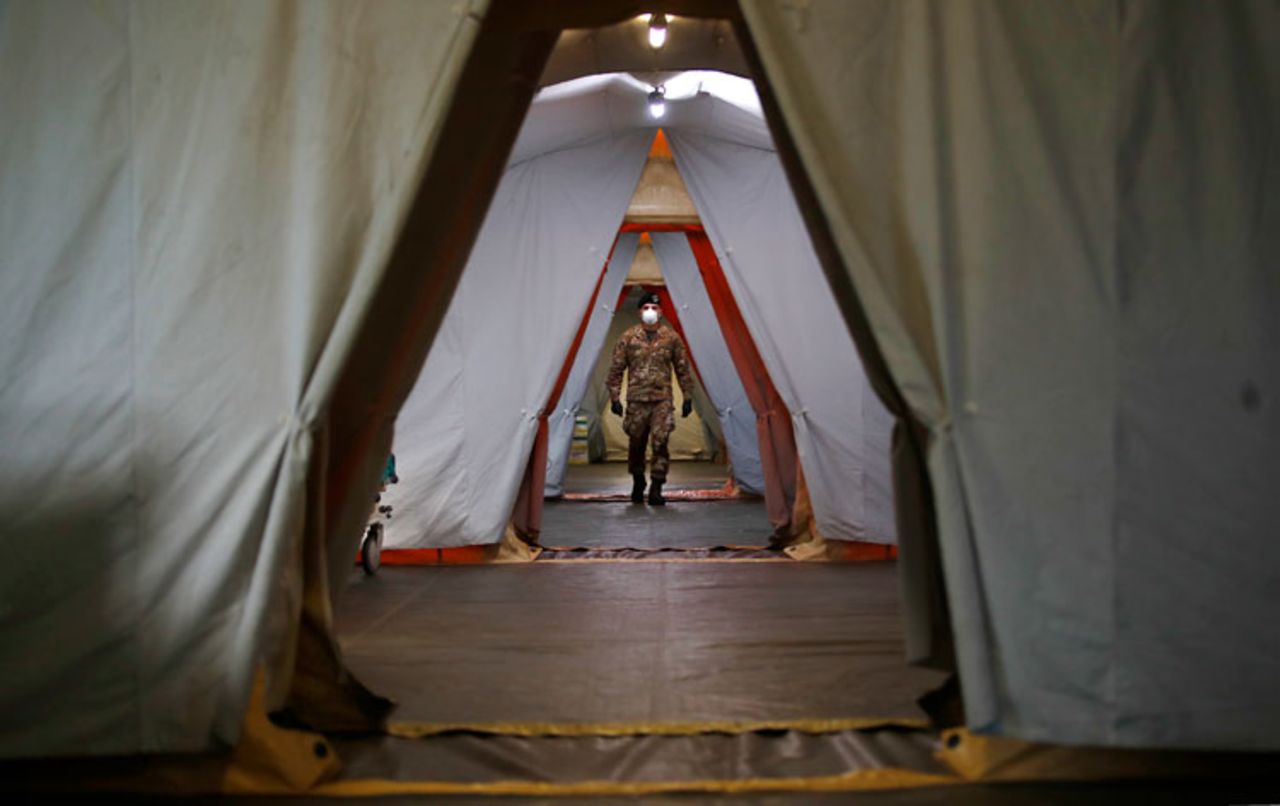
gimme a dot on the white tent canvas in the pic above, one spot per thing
(182, 275)
(1061, 221)
(561, 422)
(466, 431)
(715, 366)
(842, 430)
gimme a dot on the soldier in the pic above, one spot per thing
(648, 352)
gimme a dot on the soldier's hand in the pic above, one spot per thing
(687, 408)
(616, 408)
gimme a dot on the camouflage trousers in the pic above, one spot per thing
(647, 420)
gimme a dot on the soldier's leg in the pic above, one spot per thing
(636, 425)
(662, 422)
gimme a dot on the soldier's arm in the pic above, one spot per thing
(616, 367)
(680, 360)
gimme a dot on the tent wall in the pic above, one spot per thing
(842, 430)
(561, 420)
(1060, 219)
(465, 432)
(774, 436)
(183, 275)
(715, 366)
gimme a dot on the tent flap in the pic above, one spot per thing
(715, 366)
(464, 435)
(1059, 222)
(842, 431)
(180, 267)
(561, 420)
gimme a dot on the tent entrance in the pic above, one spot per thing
(725, 521)
(656, 601)
(597, 462)
(484, 407)
(592, 517)
(588, 441)
(541, 162)
(711, 460)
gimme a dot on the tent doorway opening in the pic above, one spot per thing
(509, 428)
(645, 627)
(596, 466)
(590, 508)
(599, 206)
(593, 464)
(489, 430)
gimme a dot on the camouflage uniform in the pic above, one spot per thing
(648, 357)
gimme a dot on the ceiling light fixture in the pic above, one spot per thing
(657, 103)
(657, 30)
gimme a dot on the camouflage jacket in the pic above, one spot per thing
(649, 364)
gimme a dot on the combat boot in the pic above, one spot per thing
(637, 488)
(655, 494)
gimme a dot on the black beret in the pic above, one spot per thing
(649, 299)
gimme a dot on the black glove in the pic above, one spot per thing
(616, 408)
(687, 408)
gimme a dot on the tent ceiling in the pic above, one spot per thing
(661, 196)
(589, 109)
(645, 269)
(691, 43)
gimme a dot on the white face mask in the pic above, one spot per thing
(649, 316)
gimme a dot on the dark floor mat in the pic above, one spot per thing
(675, 494)
(633, 642)
(679, 524)
(710, 553)
(785, 754)
(1106, 793)
(614, 477)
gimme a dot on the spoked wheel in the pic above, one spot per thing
(371, 549)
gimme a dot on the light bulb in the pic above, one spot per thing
(657, 103)
(657, 31)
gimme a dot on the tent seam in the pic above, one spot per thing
(134, 481)
(623, 241)
(1116, 290)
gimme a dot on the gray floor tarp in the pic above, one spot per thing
(638, 758)
(637, 643)
(656, 642)
(633, 642)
